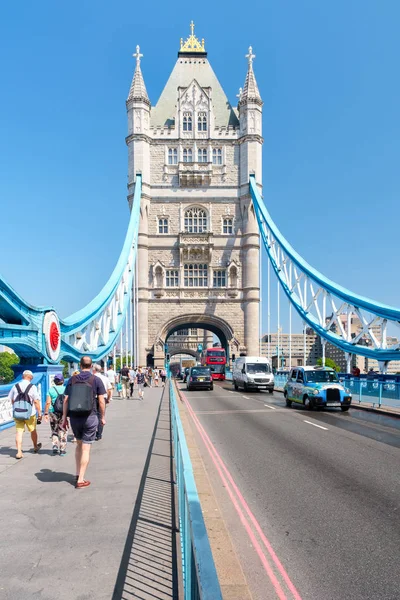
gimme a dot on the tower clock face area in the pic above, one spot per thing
(198, 253)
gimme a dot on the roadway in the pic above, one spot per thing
(311, 499)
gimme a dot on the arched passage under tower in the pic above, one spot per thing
(211, 323)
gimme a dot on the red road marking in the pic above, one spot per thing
(220, 466)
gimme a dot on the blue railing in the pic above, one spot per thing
(199, 574)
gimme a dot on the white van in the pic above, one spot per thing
(253, 372)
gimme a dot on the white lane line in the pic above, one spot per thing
(271, 407)
(315, 425)
(230, 391)
(247, 398)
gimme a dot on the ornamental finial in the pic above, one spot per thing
(192, 44)
(137, 55)
(239, 95)
(250, 56)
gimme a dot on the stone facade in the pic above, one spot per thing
(198, 249)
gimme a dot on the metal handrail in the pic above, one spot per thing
(200, 577)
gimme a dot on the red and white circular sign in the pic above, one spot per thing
(52, 335)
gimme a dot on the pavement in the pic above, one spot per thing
(311, 500)
(115, 539)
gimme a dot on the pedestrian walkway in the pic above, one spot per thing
(116, 539)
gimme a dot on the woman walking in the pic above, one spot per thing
(53, 412)
(140, 380)
(156, 377)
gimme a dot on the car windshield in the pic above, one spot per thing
(201, 371)
(253, 368)
(321, 376)
(218, 368)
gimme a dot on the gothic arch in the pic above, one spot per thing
(176, 351)
(201, 321)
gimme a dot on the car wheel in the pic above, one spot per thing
(344, 408)
(308, 403)
(271, 391)
(188, 387)
(211, 387)
(235, 385)
(245, 388)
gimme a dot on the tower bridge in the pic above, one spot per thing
(191, 256)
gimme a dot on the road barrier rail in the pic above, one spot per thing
(200, 578)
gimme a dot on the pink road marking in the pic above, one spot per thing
(280, 593)
(251, 516)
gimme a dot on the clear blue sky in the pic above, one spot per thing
(328, 75)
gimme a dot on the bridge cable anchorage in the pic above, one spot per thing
(322, 303)
(36, 334)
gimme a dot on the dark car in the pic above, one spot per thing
(199, 378)
(185, 374)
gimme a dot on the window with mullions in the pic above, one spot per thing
(162, 225)
(227, 225)
(202, 122)
(172, 278)
(187, 121)
(195, 220)
(219, 278)
(217, 156)
(202, 155)
(187, 155)
(195, 275)
(172, 156)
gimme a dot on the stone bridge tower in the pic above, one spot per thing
(198, 259)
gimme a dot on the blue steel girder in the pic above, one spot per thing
(325, 306)
(36, 333)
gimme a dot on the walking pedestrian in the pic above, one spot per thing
(156, 377)
(163, 374)
(124, 380)
(132, 378)
(111, 374)
(82, 393)
(27, 411)
(140, 381)
(150, 376)
(53, 412)
(107, 386)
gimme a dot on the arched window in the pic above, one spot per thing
(202, 122)
(217, 156)
(187, 155)
(195, 220)
(202, 155)
(172, 156)
(233, 277)
(227, 225)
(187, 121)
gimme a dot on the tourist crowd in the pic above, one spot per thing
(78, 404)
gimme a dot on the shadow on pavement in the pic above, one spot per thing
(49, 476)
(149, 564)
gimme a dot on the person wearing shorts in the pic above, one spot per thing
(140, 380)
(85, 427)
(30, 423)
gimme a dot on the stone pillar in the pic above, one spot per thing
(143, 283)
(251, 278)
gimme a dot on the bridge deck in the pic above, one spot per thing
(116, 539)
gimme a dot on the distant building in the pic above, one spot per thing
(293, 348)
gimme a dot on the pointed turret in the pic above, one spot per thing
(250, 92)
(138, 92)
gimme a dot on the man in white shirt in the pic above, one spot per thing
(132, 379)
(36, 414)
(107, 384)
(111, 376)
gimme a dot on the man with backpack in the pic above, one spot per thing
(27, 411)
(54, 411)
(82, 394)
(124, 380)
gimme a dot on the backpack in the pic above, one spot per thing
(58, 403)
(22, 406)
(80, 397)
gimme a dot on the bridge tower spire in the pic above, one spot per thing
(250, 143)
(138, 107)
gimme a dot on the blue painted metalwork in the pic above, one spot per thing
(298, 278)
(199, 573)
(93, 330)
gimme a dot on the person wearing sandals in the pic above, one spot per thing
(36, 414)
(58, 434)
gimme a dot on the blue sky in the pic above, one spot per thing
(328, 75)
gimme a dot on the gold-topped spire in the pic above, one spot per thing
(192, 44)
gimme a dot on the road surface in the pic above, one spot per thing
(311, 499)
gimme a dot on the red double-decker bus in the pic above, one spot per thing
(215, 358)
